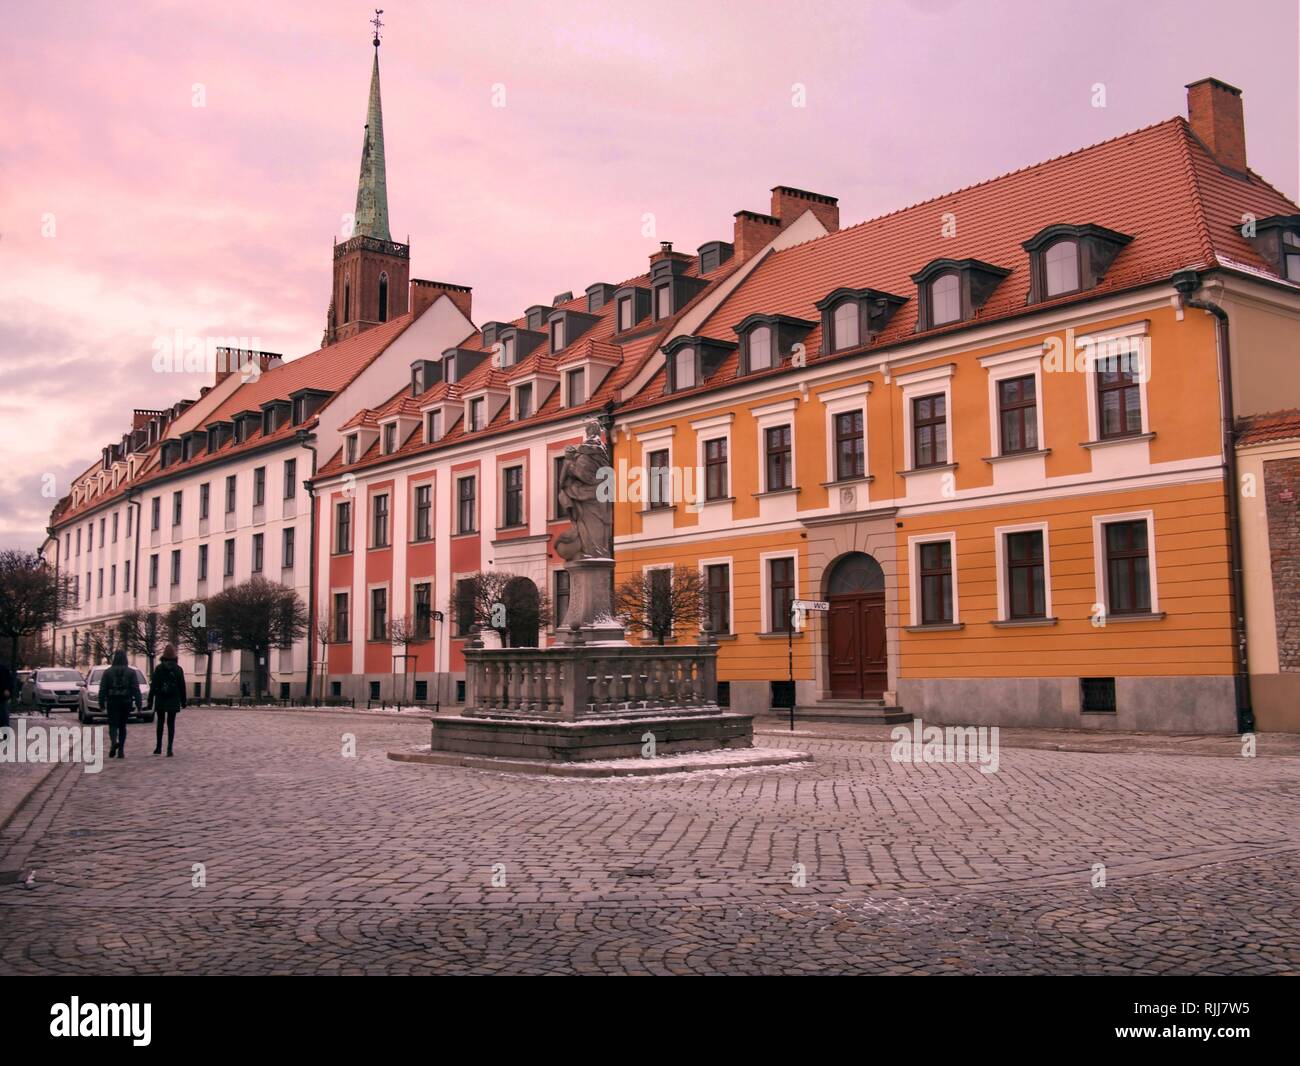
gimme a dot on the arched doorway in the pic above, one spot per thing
(856, 647)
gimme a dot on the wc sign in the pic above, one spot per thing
(800, 608)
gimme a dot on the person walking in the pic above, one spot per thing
(6, 690)
(167, 696)
(119, 691)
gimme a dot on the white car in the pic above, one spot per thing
(51, 688)
(90, 708)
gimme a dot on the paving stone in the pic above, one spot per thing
(322, 864)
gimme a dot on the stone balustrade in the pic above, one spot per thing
(585, 681)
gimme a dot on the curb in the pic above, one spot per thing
(631, 769)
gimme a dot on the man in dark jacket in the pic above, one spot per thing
(167, 695)
(6, 691)
(119, 691)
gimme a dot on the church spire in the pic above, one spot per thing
(372, 185)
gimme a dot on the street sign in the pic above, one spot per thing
(810, 605)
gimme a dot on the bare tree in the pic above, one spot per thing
(658, 601)
(508, 604)
(187, 626)
(325, 636)
(143, 633)
(256, 616)
(402, 633)
(33, 596)
(103, 641)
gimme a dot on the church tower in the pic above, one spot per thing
(371, 270)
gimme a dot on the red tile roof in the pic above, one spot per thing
(1158, 185)
(1266, 428)
(329, 369)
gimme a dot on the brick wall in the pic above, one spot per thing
(1282, 499)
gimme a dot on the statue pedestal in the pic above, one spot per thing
(590, 617)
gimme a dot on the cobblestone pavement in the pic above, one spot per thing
(318, 863)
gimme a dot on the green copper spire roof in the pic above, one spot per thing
(372, 186)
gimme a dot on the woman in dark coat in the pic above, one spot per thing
(167, 695)
(119, 691)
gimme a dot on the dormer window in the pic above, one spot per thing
(945, 299)
(852, 317)
(1061, 268)
(449, 370)
(1277, 240)
(683, 369)
(523, 401)
(431, 426)
(1067, 259)
(953, 290)
(626, 313)
(767, 340)
(575, 391)
(475, 415)
(663, 301)
(350, 449)
(567, 326)
(845, 326)
(508, 351)
(758, 348)
(693, 361)
(390, 438)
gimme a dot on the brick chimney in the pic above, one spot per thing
(752, 231)
(788, 204)
(1215, 113)
(425, 293)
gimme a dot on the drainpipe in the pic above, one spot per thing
(1188, 282)
(308, 441)
(58, 592)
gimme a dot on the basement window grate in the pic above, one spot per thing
(1097, 695)
(783, 694)
(724, 693)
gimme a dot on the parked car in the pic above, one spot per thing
(90, 709)
(51, 688)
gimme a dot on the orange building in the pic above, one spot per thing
(987, 432)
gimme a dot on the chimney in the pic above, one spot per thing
(1215, 113)
(424, 294)
(788, 204)
(753, 230)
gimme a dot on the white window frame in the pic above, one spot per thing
(914, 386)
(657, 440)
(411, 582)
(388, 520)
(1000, 534)
(1137, 330)
(765, 584)
(1101, 586)
(914, 575)
(717, 427)
(838, 402)
(770, 416)
(1004, 367)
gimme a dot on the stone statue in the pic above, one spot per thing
(580, 497)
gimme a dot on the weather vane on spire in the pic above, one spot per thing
(377, 24)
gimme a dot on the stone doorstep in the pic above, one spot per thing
(743, 759)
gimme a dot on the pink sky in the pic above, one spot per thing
(218, 220)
